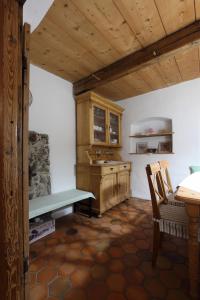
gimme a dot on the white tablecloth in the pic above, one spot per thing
(192, 182)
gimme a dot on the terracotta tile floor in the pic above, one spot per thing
(108, 259)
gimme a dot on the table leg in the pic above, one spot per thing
(193, 248)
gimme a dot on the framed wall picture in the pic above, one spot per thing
(165, 147)
(141, 148)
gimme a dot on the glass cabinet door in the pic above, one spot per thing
(114, 129)
(99, 124)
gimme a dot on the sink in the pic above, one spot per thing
(114, 161)
(107, 162)
(100, 162)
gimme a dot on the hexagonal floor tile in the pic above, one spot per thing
(59, 287)
(98, 271)
(116, 296)
(80, 277)
(75, 294)
(67, 268)
(38, 292)
(47, 274)
(134, 276)
(136, 293)
(155, 288)
(116, 265)
(97, 290)
(170, 279)
(116, 282)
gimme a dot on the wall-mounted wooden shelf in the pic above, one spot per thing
(149, 153)
(151, 135)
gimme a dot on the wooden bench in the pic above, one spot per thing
(45, 204)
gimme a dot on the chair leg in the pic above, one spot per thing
(156, 242)
(161, 239)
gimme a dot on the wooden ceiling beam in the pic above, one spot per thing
(184, 38)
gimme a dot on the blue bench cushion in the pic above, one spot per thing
(49, 203)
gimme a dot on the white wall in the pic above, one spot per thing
(53, 112)
(182, 104)
(34, 11)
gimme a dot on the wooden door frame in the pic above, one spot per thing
(11, 157)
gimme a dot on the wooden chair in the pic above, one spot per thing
(167, 184)
(167, 218)
(164, 165)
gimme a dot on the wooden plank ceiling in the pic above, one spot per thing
(79, 37)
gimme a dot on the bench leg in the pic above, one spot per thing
(90, 207)
(75, 208)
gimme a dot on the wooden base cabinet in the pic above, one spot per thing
(104, 189)
(109, 188)
(123, 185)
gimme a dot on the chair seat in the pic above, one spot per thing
(172, 201)
(174, 213)
(174, 221)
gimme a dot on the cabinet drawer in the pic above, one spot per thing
(110, 170)
(124, 167)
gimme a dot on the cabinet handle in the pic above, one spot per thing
(111, 169)
(125, 167)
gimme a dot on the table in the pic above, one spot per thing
(192, 202)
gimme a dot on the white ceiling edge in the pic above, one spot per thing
(34, 11)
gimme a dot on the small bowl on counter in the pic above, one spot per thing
(152, 150)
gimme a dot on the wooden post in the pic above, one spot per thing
(11, 203)
(23, 151)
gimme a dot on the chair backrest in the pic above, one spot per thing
(156, 187)
(167, 185)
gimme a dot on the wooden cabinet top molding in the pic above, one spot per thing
(91, 96)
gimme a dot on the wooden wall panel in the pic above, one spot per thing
(188, 63)
(137, 83)
(75, 39)
(117, 89)
(170, 71)
(176, 14)
(153, 77)
(197, 9)
(109, 90)
(184, 66)
(66, 15)
(54, 60)
(11, 217)
(105, 16)
(143, 18)
(46, 42)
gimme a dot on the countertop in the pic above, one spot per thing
(110, 164)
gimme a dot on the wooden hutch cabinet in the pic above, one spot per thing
(98, 121)
(99, 165)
